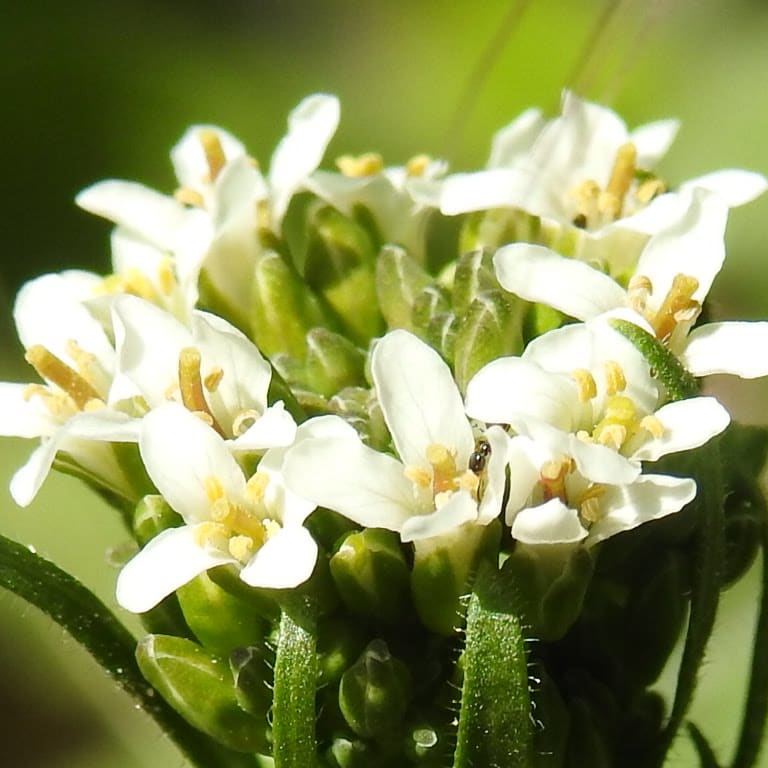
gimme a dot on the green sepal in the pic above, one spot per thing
(371, 574)
(441, 334)
(199, 686)
(333, 362)
(283, 308)
(251, 669)
(490, 328)
(495, 725)
(552, 581)
(474, 274)
(219, 620)
(339, 266)
(497, 226)
(151, 516)
(399, 280)
(430, 302)
(442, 570)
(339, 643)
(374, 691)
(678, 382)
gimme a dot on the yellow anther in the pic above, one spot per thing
(57, 371)
(609, 206)
(441, 458)
(205, 417)
(244, 421)
(213, 379)
(469, 481)
(639, 289)
(187, 196)
(586, 384)
(263, 215)
(209, 533)
(678, 299)
(615, 380)
(649, 189)
(271, 527)
(166, 277)
(584, 436)
(257, 485)
(214, 153)
(589, 504)
(552, 476)
(417, 165)
(367, 164)
(214, 490)
(241, 548)
(622, 174)
(653, 425)
(418, 475)
(611, 435)
(94, 405)
(586, 196)
(222, 511)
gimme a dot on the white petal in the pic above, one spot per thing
(496, 188)
(687, 424)
(166, 563)
(525, 459)
(600, 463)
(652, 141)
(310, 127)
(419, 399)
(181, 453)
(27, 480)
(648, 498)
(154, 216)
(735, 187)
(274, 428)
(536, 273)
(22, 415)
(105, 425)
(509, 387)
(549, 523)
(189, 160)
(459, 509)
(516, 138)
(738, 348)
(496, 475)
(342, 474)
(286, 560)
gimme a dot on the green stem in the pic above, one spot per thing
(293, 710)
(76, 609)
(495, 726)
(756, 706)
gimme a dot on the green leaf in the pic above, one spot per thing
(706, 755)
(293, 711)
(76, 609)
(495, 724)
(679, 383)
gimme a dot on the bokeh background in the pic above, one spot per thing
(93, 90)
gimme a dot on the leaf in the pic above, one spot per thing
(706, 755)
(76, 609)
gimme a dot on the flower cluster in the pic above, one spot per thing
(297, 386)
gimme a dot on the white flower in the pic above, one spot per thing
(398, 197)
(665, 291)
(212, 222)
(440, 479)
(210, 367)
(255, 523)
(69, 411)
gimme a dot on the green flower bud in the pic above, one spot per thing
(491, 229)
(252, 675)
(353, 753)
(491, 328)
(199, 686)
(333, 362)
(399, 280)
(283, 308)
(153, 515)
(474, 274)
(539, 319)
(428, 303)
(339, 266)
(220, 620)
(441, 334)
(374, 692)
(339, 643)
(742, 543)
(371, 574)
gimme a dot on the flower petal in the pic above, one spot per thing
(495, 188)
(459, 509)
(652, 141)
(549, 523)
(419, 399)
(536, 273)
(516, 138)
(734, 186)
(166, 563)
(738, 348)
(286, 560)
(22, 415)
(189, 159)
(274, 428)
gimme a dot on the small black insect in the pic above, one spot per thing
(479, 457)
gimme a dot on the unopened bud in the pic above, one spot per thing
(399, 280)
(474, 274)
(251, 669)
(339, 643)
(333, 362)
(152, 516)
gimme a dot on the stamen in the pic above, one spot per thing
(166, 276)
(586, 384)
(639, 289)
(208, 533)
(615, 380)
(418, 475)
(241, 548)
(191, 197)
(589, 504)
(653, 425)
(417, 165)
(367, 164)
(213, 379)
(191, 386)
(57, 371)
(649, 189)
(244, 421)
(445, 471)
(213, 488)
(618, 424)
(552, 477)
(622, 174)
(678, 299)
(612, 436)
(257, 485)
(214, 153)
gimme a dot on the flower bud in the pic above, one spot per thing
(333, 362)
(742, 542)
(252, 675)
(399, 279)
(374, 692)
(424, 745)
(353, 753)
(220, 620)
(371, 574)
(339, 266)
(283, 308)
(339, 643)
(441, 334)
(428, 303)
(474, 274)
(491, 229)
(490, 328)
(200, 688)
(153, 515)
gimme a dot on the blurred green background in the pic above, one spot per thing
(93, 90)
